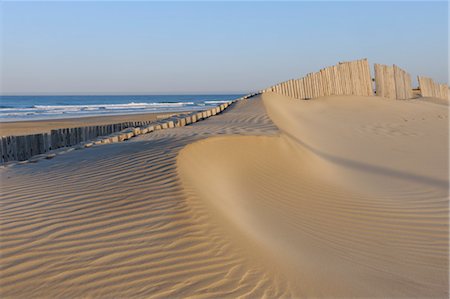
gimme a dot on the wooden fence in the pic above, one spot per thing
(392, 82)
(345, 78)
(21, 148)
(429, 88)
(353, 78)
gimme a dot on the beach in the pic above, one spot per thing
(338, 196)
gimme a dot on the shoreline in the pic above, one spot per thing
(41, 126)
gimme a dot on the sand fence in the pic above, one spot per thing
(31, 148)
(429, 88)
(392, 82)
(354, 78)
(345, 78)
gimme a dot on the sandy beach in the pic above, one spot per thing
(40, 126)
(224, 149)
(339, 196)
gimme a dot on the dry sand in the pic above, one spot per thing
(351, 199)
(41, 126)
(332, 197)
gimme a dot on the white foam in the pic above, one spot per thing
(131, 105)
(64, 111)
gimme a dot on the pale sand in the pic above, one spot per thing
(351, 200)
(113, 221)
(316, 208)
(42, 126)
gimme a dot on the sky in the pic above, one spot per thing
(141, 47)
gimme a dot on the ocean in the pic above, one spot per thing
(20, 108)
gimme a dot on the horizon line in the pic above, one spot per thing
(117, 94)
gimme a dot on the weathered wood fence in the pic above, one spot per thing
(392, 82)
(345, 78)
(354, 78)
(21, 148)
(429, 88)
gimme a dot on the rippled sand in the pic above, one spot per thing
(338, 196)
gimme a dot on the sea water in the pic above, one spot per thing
(19, 108)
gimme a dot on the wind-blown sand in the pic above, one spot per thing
(337, 197)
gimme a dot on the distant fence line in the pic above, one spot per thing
(429, 88)
(21, 148)
(392, 82)
(345, 78)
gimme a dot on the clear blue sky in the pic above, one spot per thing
(209, 47)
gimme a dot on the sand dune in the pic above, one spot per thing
(350, 200)
(113, 221)
(322, 198)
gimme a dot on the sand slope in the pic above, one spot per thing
(350, 200)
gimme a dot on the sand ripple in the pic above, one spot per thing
(316, 206)
(113, 221)
(339, 211)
